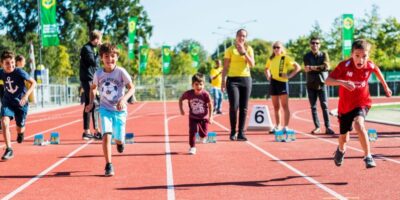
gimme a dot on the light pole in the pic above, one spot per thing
(241, 24)
(225, 36)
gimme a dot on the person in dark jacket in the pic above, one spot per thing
(316, 66)
(89, 63)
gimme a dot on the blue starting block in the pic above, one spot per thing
(372, 135)
(279, 136)
(290, 136)
(212, 137)
(38, 140)
(129, 138)
(54, 138)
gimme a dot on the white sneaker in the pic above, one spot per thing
(204, 140)
(192, 151)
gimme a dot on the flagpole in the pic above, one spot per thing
(40, 33)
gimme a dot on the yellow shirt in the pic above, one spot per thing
(274, 65)
(238, 66)
(218, 80)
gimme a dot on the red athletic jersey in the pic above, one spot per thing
(360, 97)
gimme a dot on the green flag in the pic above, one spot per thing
(131, 35)
(48, 24)
(347, 34)
(194, 52)
(144, 51)
(166, 59)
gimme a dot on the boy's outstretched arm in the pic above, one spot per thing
(181, 106)
(336, 82)
(380, 77)
(24, 99)
(92, 94)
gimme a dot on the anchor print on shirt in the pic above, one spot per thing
(10, 89)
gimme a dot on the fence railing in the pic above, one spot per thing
(150, 89)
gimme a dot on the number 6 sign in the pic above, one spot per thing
(260, 118)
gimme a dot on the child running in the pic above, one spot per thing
(111, 82)
(15, 99)
(200, 110)
(354, 99)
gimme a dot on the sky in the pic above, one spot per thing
(176, 20)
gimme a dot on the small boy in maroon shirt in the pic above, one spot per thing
(200, 110)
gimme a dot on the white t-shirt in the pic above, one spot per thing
(111, 86)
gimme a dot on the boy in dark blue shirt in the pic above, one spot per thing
(15, 99)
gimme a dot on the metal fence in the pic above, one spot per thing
(150, 89)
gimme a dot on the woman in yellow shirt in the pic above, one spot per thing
(238, 60)
(278, 70)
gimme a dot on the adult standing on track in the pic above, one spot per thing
(89, 63)
(216, 80)
(238, 60)
(316, 66)
(277, 71)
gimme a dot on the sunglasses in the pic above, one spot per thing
(276, 47)
(317, 43)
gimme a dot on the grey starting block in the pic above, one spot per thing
(290, 136)
(38, 140)
(54, 138)
(212, 137)
(372, 135)
(129, 138)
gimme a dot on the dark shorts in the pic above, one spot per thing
(19, 112)
(346, 120)
(278, 87)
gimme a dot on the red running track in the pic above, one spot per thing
(158, 166)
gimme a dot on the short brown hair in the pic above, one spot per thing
(95, 35)
(198, 77)
(108, 48)
(7, 54)
(361, 44)
(19, 58)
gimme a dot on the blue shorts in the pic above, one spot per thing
(113, 122)
(19, 112)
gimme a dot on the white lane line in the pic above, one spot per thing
(44, 172)
(336, 143)
(168, 159)
(293, 169)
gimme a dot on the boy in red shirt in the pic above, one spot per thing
(200, 110)
(354, 99)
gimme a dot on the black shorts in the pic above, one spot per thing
(346, 120)
(278, 87)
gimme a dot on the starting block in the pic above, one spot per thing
(372, 135)
(212, 137)
(55, 138)
(38, 140)
(279, 136)
(129, 138)
(290, 136)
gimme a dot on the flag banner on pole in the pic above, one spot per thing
(32, 63)
(194, 52)
(131, 35)
(166, 59)
(347, 34)
(144, 51)
(49, 27)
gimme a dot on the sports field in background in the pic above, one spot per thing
(385, 113)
